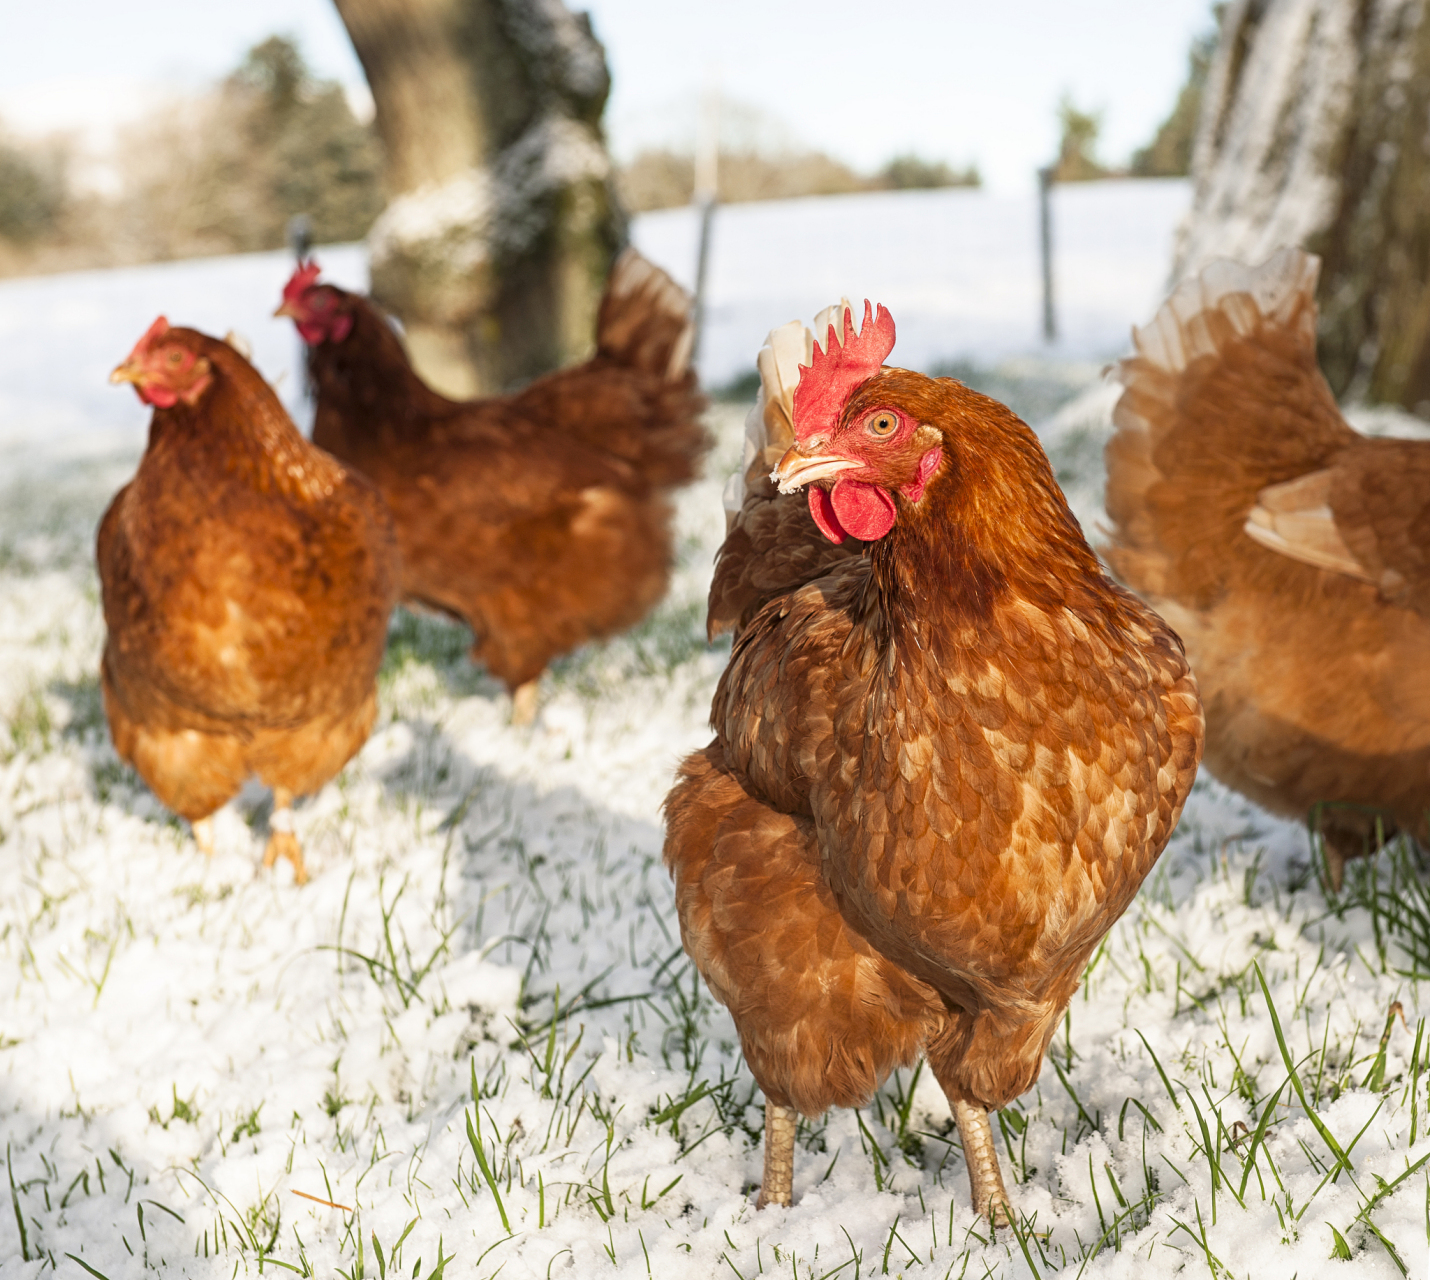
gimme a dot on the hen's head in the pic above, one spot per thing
(321, 312)
(165, 367)
(861, 435)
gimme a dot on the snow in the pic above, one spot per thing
(456, 225)
(61, 335)
(958, 269)
(198, 1060)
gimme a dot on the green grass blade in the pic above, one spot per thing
(1326, 1135)
(1167, 1084)
(474, 1137)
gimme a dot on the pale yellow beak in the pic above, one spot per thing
(795, 470)
(287, 310)
(127, 372)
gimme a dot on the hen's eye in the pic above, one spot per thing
(321, 302)
(882, 425)
(174, 357)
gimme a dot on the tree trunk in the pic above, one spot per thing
(1315, 131)
(503, 221)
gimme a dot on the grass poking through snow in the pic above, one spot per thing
(473, 1045)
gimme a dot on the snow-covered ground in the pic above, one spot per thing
(958, 269)
(472, 1044)
(61, 335)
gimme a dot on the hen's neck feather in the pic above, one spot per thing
(240, 429)
(369, 379)
(991, 526)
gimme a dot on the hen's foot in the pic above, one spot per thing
(985, 1175)
(778, 1184)
(523, 702)
(1348, 833)
(204, 835)
(282, 843)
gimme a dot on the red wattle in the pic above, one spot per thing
(822, 510)
(159, 397)
(864, 510)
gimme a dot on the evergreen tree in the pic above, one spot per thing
(1169, 154)
(1077, 152)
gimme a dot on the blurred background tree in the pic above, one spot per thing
(32, 192)
(1315, 131)
(221, 173)
(319, 160)
(225, 174)
(909, 172)
(503, 219)
(1077, 151)
(1169, 154)
(663, 178)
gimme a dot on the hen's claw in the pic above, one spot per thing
(284, 844)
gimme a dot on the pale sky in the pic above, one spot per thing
(955, 80)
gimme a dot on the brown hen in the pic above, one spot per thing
(540, 519)
(247, 578)
(1291, 553)
(942, 766)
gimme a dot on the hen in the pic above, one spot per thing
(1290, 552)
(247, 578)
(540, 519)
(941, 767)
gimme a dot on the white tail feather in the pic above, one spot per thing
(1247, 296)
(632, 274)
(769, 426)
(239, 343)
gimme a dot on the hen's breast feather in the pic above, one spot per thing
(1020, 789)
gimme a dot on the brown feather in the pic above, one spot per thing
(1313, 657)
(541, 519)
(961, 750)
(247, 577)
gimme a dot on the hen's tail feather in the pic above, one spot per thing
(1222, 398)
(1280, 292)
(771, 543)
(638, 400)
(769, 426)
(646, 321)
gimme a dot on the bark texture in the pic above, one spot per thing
(1315, 132)
(503, 222)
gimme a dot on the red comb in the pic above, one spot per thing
(303, 279)
(155, 331)
(826, 385)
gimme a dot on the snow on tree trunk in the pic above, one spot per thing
(503, 222)
(1315, 131)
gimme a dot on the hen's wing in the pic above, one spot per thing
(1223, 400)
(772, 544)
(1367, 516)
